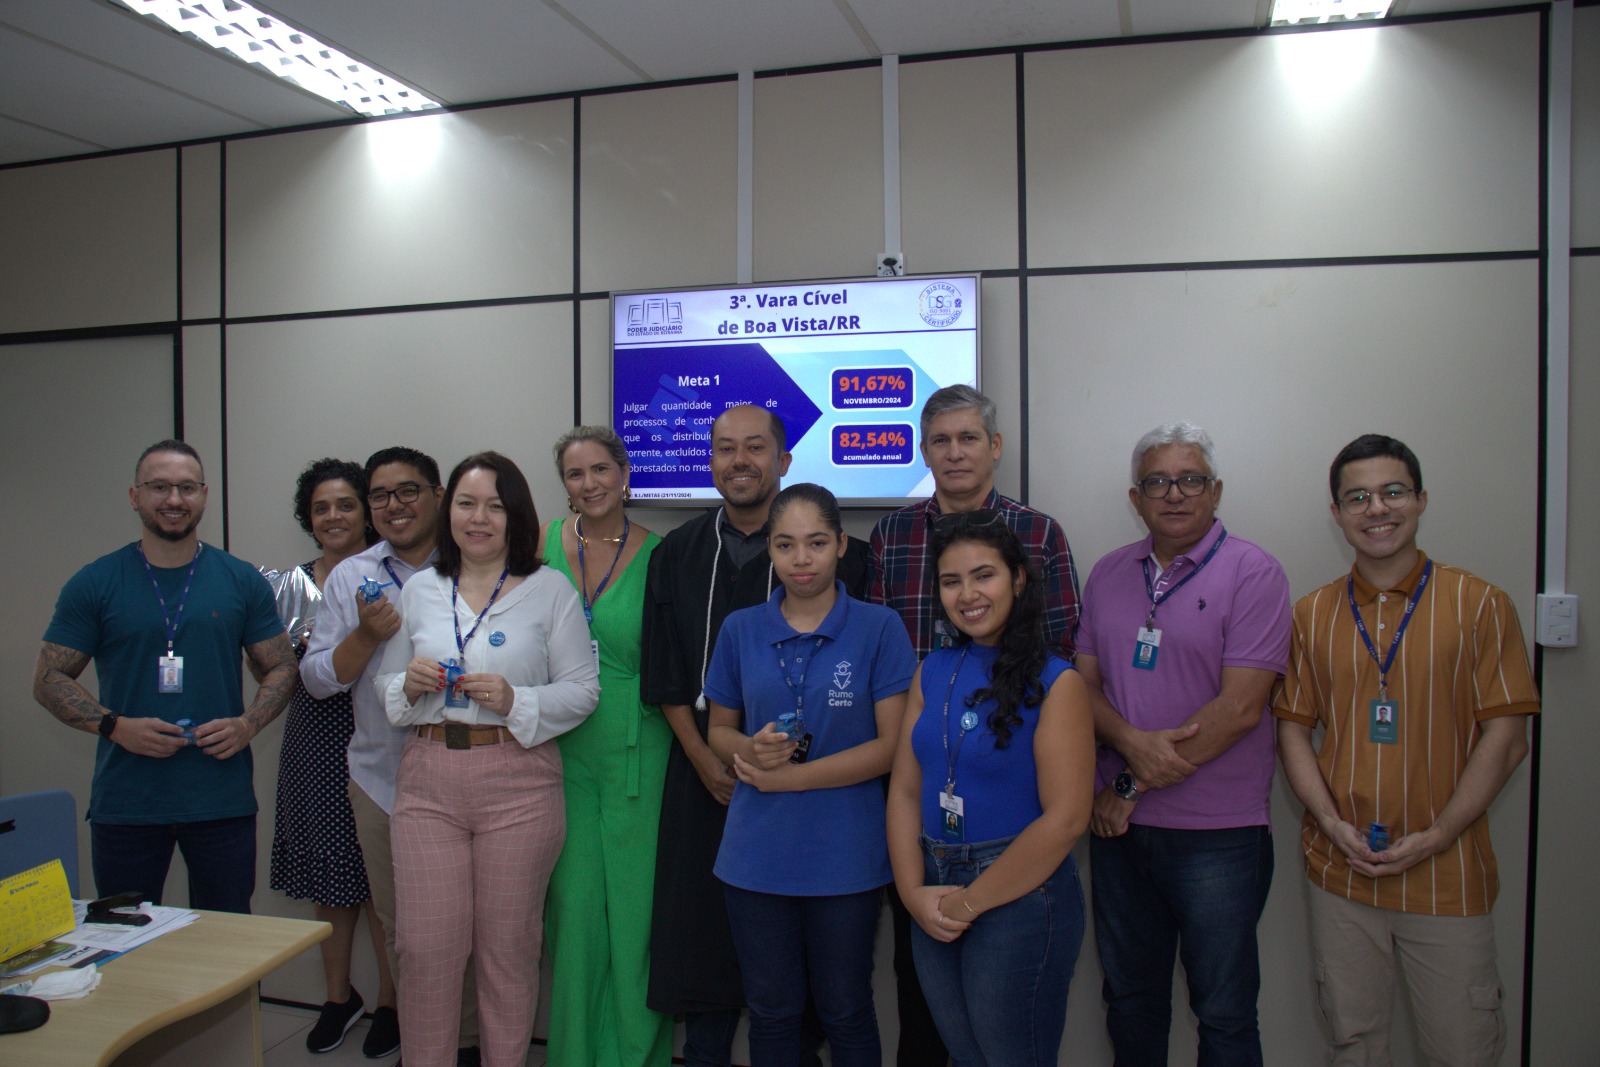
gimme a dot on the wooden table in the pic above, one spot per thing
(188, 997)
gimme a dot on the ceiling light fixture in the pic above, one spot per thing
(261, 40)
(1314, 12)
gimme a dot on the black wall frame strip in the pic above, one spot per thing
(1541, 527)
(177, 332)
(1025, 469)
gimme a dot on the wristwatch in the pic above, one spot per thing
(1123, 786)
(108, 723)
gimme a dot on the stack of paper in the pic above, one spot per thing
(110, 937)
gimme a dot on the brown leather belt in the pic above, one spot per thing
(461, 735)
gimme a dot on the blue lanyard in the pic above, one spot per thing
(797, 687)
(583, 574)
(951, 757)
(1400, 631)
(461, 645)
(183, 598)
(1150, 588)
(398, 584)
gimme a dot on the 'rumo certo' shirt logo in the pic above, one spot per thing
(840, 695)
(655, 316)
(939, 304)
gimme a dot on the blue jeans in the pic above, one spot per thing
(789, 945)
(1159, 893)
(999, 991)
(220, 855)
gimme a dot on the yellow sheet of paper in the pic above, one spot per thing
(34, 907)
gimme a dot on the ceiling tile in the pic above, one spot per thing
(687, 40)
(908, 27)
(1151, 17)
(121, 39)
(463, 52)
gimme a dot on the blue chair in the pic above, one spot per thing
(36, 828)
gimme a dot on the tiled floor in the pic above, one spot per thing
(283, 1042)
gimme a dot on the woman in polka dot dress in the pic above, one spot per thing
(315, 853)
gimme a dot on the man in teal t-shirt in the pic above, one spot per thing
(164, 619)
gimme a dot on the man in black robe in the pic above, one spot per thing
(706, 568)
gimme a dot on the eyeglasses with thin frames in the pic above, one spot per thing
(405, 492)
(1358, 501)
(161, 490)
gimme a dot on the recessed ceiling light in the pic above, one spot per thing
(1312, 12)
(263, 41)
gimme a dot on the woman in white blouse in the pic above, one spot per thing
(493, 662)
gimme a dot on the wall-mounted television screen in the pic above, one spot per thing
(846, 364)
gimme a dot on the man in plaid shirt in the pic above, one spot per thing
(961, 445)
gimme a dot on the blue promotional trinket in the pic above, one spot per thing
(453, 695)
(791, 725)
(370, 589)
(1377, 836)
(497, 639)
(187, 726)
(969, 720)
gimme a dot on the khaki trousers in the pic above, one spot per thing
(1448, 966)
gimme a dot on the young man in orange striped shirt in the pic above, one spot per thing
(1418, 673)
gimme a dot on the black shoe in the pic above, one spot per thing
(469, 1057)
(334, 1022)
(383, 1038)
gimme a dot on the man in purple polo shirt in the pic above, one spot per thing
(1181, 638)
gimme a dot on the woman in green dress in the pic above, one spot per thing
(597, 916)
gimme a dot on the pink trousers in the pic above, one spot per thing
(476, 832)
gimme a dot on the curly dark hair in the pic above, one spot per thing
(329, 469)
(1014, 682)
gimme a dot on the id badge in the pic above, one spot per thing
(169, 674)
(955, 812)
(1383, 722)
(1145, 649)
(454, 695)
(594, 647)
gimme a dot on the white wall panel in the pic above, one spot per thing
(1284, 367)
(1381, 141)
(818, 174)
(958, 164)
(202, 231)
(447, 382)
(659, 189)
(1566, 947)
(1586, 127)
(423, 209)
(88, 243)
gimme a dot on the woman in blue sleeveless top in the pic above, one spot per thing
(992, 786)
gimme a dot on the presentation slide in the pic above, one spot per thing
(846, 365)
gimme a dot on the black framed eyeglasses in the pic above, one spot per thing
(1188, 485)
(1358, 501)
(405, 492)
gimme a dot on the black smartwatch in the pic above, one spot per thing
(108, 723)
(1123, 786)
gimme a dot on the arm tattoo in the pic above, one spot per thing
(274, 658)
(56, 686)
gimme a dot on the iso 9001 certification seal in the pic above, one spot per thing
(939, 304)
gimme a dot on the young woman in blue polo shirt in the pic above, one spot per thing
(993, 784)
(803, 857)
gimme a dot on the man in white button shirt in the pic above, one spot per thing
(403, 494)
